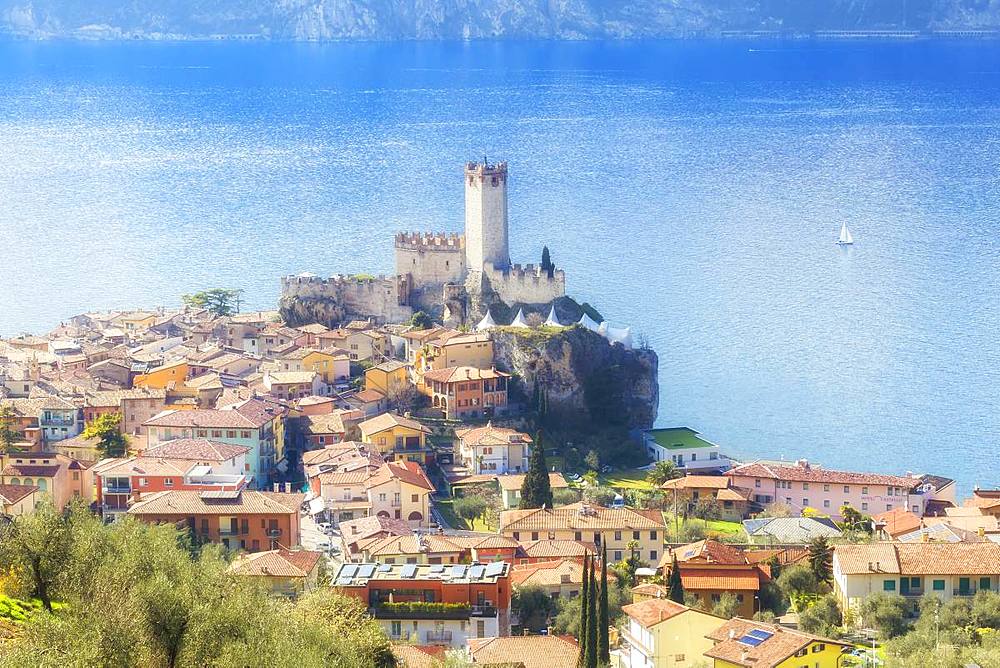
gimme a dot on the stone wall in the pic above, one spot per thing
(486, 215)
(330, 301)
(526, 284)
(431, 260)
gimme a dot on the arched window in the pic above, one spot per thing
(14, 481)
(41, 484)
(415, 516)
(27, 481)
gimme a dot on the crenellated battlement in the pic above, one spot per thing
(336, 281)
(430, 241)
(526, 284)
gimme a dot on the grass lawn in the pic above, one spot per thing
(716, 526)
(625, 479)
(455, 522)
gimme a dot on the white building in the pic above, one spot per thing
(687, 449)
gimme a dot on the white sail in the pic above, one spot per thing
(845, 236)
(552, 320)
(519, 320)
(486, 323)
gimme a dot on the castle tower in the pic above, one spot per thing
(486, 215)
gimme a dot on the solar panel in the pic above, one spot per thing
(458, 571)
(760, 633)
(366, 571)
(494, 569)
(385, 568)
(750, 640)
(348, 571)
(476, 572)
(437, 568)
(409, 571)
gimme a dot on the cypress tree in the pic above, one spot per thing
(592, 617)
(584, 610)
(603, 643)
(675, 588)
(536, 490)
(547, 265)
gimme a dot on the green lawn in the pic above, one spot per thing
(455, 522)
(716, 526)
(625, 479)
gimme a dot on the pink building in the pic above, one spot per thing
(804, 485)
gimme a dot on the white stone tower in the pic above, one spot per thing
(486, 216)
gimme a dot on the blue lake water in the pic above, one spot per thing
(693, 190)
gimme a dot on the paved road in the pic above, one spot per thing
(312, 536)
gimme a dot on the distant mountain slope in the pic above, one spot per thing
(458, 19)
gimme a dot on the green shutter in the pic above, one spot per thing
(984, 583)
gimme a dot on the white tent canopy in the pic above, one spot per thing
(622, 335)
(519, 320)
(588, 322)
(486, 323)
(552, 320)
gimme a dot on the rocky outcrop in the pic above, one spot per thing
(477, 19)
(582, 376)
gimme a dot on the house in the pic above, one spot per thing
(357, 533)
(396, 437)
(293, 384)
(387, 378)
(615, 528)
(361, 345)
(26, 414)
(401, 490)
(465, 391)
(369, 402)
(165, 377)
(331, 367)
(339, 474)
(58, 419)
(784, 530)
(244, 519)
(946, 570)
(662, 634)
(510, 487)
(942, 532)
(709, 569)
(121, 482)
(524, 652)
(803, 485)
(134, 406)
(80, 448)
(49, 472)
(896, 522)
(686, 448)
(288, 573)
(559, 578)
(17, 500)
(432, 604)
(492, 449)
(419, 656)
(544, 549)
(986, 500)
(252, 423)
(335, 427)
(414, 549)
(451, 349)
(732, 503)
(745, 643)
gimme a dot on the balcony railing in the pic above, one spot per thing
(969, 591)
(57, 421)
(439, 637)
(484, 611)
(228, 531)
(117, 489)
(913, 592)
(395, 503)
(421, 611)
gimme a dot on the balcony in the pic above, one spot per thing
(421, 610)
(439, 637)
(54, 421)
(116, 489)
(969, 591)
(484, 611)
(912, 593)
(395, 503)
(228, 531)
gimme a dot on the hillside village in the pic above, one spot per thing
(456, 492)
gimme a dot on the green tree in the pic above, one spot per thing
(662, 472)
(107, 429)
(821, 559)
(218, 301)
(584, 626)
(603, 614)
(675, 588)
(798, 580)
(593, 460)
(536, 490)
(599, 495)
(885, 612)
(469, 507)
(854, 520)
(591, 657)
(534, 607)
(822, 617)
(727, 607)
(421, 320)
(8, 435)
(547, 265)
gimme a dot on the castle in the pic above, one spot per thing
(457, 277)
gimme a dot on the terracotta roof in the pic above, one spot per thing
(490, 435)
(652, 611)
(709, 578)
(314, 328)
(115, 397)
(411, 544)
(897, 521)
(813, 473)
(580, 516)
(527, 651)
(145, 466)
(197, 449)
(176, 502)
(651, 589)
(711, 552)
(919, 559)
(539, 549)
(779, 646)
(11, 494)
(513, 481)
(420, 656)
(32, 470)
(247, 414)
(369, 396)
(409, 472)
(291, 377)
(548, 573)
(277, 563)
(461, 374)
(326, 423)
(495, 542)
(388, 421)
(366, 527)
(698, 482)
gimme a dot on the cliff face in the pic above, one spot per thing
(583, 377)
(475, 19)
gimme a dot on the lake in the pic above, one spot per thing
(692, 190)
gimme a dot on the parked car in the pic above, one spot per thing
(325, 527)
(324, 544)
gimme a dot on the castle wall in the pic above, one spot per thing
(384, 298)
(431, 260)
(526, 284)
(486, 231)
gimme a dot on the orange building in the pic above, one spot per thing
(709, 569)
(245, 520)
(465, 391)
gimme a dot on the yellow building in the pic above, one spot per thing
(664, 634)
(387, 377)
(285, 572)
(139, 321)
(331, 366)
(451, 349)
(742, 643)
(396, 437)
(168, 376)
(621, 529)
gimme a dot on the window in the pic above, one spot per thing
(864, 505)
(818, 647)
(888, 585)
(244, 434)
(652, 535)
(635, 535)
(143, 482)
(517, 535)
(826, 503)
(756, 483)
(826, 488)
(414, 498)
(168, 482)
(678, 658)
(652, 555)
(864, 490)
(534, 535)
(847, 489)
(984, 583)
(618, 535)
(805, 486)
(578, 535)
(618, 555)
(805, 502)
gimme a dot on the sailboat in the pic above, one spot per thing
(845, 236)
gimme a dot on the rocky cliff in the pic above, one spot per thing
(476, 19)
(583, 377)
